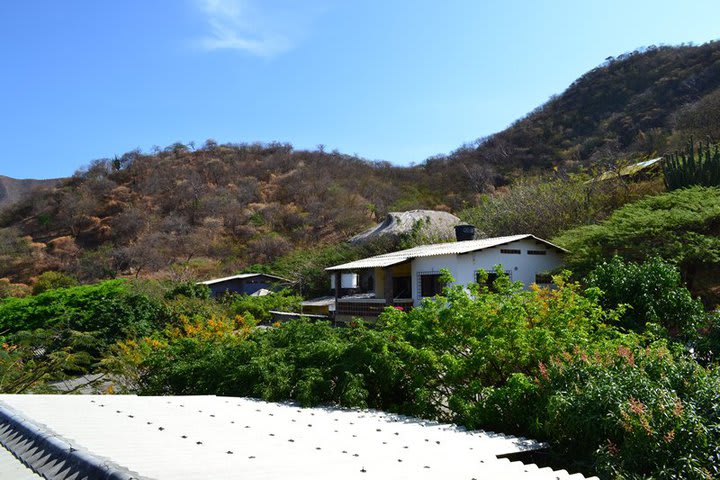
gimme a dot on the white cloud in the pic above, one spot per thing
(264, 30)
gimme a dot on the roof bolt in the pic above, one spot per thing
(363, 470)
(229, 452)
(198, 443)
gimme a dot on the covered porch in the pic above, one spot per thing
(383, 286)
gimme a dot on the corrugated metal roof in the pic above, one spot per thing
(242, 275)
(201, 437)
(467, 246)
(629, 169)
(319, 302)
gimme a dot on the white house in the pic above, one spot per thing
(404, 278)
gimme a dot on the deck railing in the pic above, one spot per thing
(369, 307)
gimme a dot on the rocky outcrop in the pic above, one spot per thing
(433, 225)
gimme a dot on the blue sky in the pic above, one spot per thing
(386, 80)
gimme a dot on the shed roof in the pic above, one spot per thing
(467, 246)
(200, 437)
(630, 169)
(243, 276)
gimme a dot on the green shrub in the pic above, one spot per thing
(189, 290)
(51, 280)
(653, 292)
(640, 413)
(259, 307)
(309, 362)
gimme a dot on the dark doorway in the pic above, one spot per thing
(402, 287)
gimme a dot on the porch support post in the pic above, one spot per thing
(337, 290)
(388, 285)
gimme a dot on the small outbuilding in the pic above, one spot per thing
(245, 283)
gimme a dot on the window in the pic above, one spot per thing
(510, 251)
(543, 278)
(537, 252)
(430, 285)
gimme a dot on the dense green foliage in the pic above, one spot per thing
(189, 290)
(66, 331)
(640, 412)
(653, 293)
(110, 309)
(681, 227)
(689, 168)
(259, 308)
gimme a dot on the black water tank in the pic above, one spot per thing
(464, 232)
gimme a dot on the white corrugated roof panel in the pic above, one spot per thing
(450, 248)
(200, 437)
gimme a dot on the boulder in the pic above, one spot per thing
(432, 225)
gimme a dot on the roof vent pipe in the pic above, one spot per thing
(464, 232)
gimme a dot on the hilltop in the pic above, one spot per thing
(215, 208)
(639, 105)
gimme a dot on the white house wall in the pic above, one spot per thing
(522, 267)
